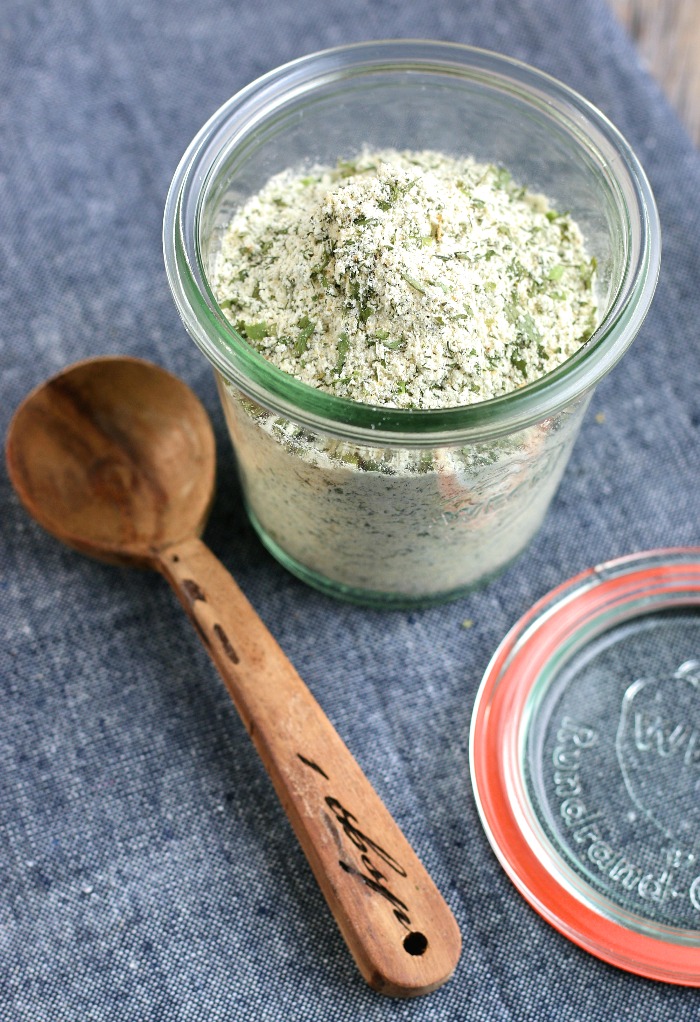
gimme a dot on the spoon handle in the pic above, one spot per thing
(395, 922)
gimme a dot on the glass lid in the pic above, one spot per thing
(585, 761)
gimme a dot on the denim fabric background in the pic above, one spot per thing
(146, 869)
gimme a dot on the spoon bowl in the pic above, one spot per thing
(115, 457)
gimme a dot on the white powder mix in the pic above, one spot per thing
(413, 280)
(410, 280)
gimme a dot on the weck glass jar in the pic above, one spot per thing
(401, 507)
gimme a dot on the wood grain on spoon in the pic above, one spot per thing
(116, 458)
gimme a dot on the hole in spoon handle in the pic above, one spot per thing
(415, 943)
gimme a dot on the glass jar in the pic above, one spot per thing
(400, 507)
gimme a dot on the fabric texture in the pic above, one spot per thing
(147, 869)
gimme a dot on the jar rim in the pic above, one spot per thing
(281, 393)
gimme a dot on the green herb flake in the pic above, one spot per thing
(254, 331)
(412, 282)
(512, 311)
(306, 328)
(553, 216)
(343, 347)
(519, 363)
(396, 344)
(527, 328)
(501, 177)
(587, 271)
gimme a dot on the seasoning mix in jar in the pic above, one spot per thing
(409, 264)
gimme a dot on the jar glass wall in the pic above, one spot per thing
(391, 525)
(396, 507)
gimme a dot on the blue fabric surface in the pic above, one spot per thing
(147, 870)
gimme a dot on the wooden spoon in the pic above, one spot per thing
(116, 458)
